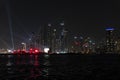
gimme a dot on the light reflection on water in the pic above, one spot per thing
(66, 67)
(36, 62)
(32, 66)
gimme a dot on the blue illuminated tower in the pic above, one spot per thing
(110, 40)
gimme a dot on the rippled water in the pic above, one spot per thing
(23, 66)
(59, 67)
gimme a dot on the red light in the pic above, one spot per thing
(14, 51)
(18, 50)
(36, 51)
(31, 49)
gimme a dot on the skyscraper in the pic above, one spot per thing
(49, 36)
(110, 40)
(63, 38)
(118, 45)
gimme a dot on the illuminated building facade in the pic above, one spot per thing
(54, 40)
(63, 39)
(49, 36)
(110, 40)
(118, 45)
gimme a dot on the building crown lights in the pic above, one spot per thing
(109, 29)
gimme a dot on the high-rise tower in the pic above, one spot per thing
(110, 40)
(63, 38)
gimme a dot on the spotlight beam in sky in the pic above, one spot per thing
(8, 10)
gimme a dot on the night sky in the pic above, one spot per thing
(85, 18)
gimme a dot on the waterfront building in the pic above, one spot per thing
(118, 45)
(62, 40)
(110, 40)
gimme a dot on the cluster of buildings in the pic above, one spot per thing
(54, 38)
(58, 40)
(82, 45)
(111, 44)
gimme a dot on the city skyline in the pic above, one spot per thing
(85, 18)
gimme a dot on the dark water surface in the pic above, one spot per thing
(60, 67)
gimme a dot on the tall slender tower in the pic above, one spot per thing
(49, 36)
(63, 38)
